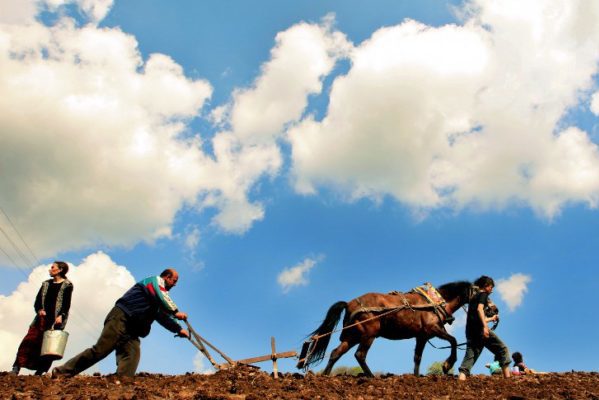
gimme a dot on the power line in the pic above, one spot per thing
(20, 236)
(13, 261)
(31, 265)
(18, 250)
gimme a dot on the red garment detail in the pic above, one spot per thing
(151, 289)
(28, 355)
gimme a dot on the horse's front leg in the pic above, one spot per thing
(420, 343)
(448, 364)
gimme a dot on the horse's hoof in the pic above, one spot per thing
(446, 368)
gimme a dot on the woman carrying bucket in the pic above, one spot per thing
(52, 305)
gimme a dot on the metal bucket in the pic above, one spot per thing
(54, 344)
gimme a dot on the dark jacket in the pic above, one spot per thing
(55, 300)
(145, 302)
(474, 326)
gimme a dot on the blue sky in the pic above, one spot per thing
(284, 156)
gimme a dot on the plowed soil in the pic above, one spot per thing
(250, 383)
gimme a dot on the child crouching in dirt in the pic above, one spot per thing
(494, 368)
(520, 368)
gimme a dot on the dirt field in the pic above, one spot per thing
(248, 383)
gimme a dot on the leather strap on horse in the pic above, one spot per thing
(438, 306)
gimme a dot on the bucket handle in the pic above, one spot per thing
(54, 324)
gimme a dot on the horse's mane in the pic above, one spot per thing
(454, 289)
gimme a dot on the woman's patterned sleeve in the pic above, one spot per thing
(66, 301)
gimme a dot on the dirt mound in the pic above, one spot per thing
(250, 383)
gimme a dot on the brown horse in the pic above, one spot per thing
(392, 316)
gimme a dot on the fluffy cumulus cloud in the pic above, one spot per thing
(307, 52)
(96, 147)
(257, 116)
(97, 274)
(512, 289)
(595, 103)
(90, 136)
(25, 11)
(17, 11)
(297, 275)
(462, 115)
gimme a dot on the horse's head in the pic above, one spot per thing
(460, 291)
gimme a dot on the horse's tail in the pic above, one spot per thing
(313, 351)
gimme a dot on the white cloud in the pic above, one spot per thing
(297, 275)
(459, 116)
(92, 140)
(93, 150)
(201, 366)
(595, 103)
(97, 275)
(257, 116)
(305, 52)
(90, 137)
(17, 11)
(190, 241)
(94, 10)
(24, 11)
(193, 238)
(512, 289)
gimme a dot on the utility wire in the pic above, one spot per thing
(20, 237)
(13, 261)
(18, 250)
(32, 266)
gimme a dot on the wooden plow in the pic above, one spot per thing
(201, 343)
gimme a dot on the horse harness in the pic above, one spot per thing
(383, 310)
(434, 298)
(435, 301)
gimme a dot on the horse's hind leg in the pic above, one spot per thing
(420, 343)
(361, 355)
(453, 356)
(336, 355)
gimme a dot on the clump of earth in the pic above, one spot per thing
(245, 382)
